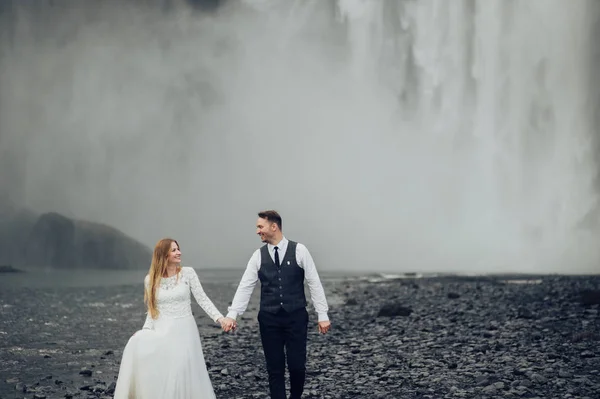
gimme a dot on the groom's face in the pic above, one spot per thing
(265, 229)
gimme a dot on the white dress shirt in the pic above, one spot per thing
(250, 278)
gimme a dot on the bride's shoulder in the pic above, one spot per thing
(187, 271)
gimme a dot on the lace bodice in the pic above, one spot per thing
(173, 297)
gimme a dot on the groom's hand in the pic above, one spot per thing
(324, 326)
(228, 324)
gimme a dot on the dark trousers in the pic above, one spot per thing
(284, 330)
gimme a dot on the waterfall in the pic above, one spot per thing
(461, 135)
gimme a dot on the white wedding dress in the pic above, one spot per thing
(164, 360)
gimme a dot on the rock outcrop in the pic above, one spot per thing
(56, 241)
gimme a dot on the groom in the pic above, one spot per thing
(281, 266)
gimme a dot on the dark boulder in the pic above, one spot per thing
(393, 310)
(590, 297)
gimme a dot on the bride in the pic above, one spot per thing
(165, 358)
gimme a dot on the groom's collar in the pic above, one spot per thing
(281, 245)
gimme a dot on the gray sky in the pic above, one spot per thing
(396, 137)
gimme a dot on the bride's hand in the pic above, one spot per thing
(227, 324)
(221, 320)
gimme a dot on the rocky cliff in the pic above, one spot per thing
(54, 240)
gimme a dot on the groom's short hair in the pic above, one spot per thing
(272, 216)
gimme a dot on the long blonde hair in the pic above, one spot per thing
(158, 269)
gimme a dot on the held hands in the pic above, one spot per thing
(324, 326)
(227, 324)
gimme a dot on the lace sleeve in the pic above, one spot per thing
(200, 296)
(149, 323)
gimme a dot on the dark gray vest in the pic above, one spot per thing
(281, 287)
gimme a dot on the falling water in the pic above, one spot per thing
(457, 135)
(499, 93)
(502, 95)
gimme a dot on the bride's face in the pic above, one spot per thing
(174, 257)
